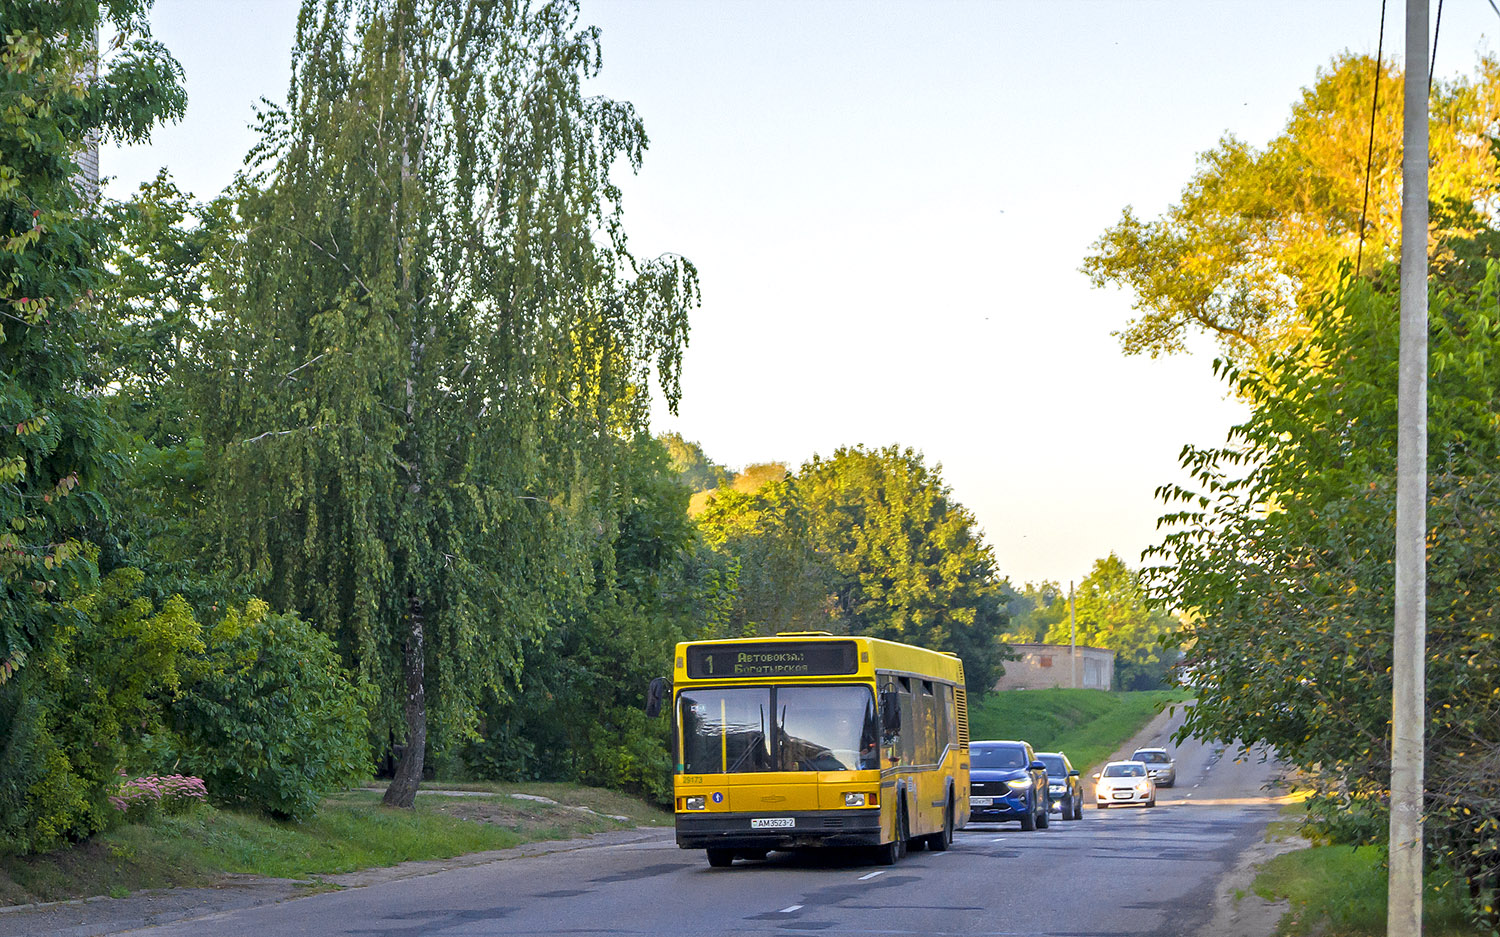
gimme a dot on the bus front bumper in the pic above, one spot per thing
(767, 831)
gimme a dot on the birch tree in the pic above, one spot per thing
(432, 331)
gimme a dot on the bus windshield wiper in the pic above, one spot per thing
(759, 739)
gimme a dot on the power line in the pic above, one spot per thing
(1431, 68)
(1364, 210)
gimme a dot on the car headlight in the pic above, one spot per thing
(852, 799)
(695, 802)
(1019, 784)
(1141, 787)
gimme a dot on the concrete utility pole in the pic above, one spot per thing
(1072, 635)
(1408, 669)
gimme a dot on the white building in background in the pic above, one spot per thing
(1044, 666)
(87, 179)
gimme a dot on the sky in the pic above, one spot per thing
(888, 204)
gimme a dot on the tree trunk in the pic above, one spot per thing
(403, 789)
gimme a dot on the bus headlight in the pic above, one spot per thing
(852, 799)
(695, 802)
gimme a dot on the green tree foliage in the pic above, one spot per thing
(693, 465)
(161, 259)
(1282, 548)
(909, 562)
(1111, 612)
(1034, 611)
(267, 716)
(433, 333)
(82, 707)
(1260, 234)
(56, 90)
(781, 581)
(577, 714)
(55, 448)
(867, 542)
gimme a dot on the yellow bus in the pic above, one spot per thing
(807, 739)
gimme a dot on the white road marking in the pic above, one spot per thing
(999, 840)
(791, 909)
(866, 878)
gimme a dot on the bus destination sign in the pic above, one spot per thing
(801, 659)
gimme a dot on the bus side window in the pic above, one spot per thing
(910, 728)
(924, 703)
(890, 718)
(869, 738)
(945, 720)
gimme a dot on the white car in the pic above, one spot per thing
(1124, 782)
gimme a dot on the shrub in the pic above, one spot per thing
(81, 706)
(268, 717)
(629, 752)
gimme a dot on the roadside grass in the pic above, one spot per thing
(351, 831)
(597, 799)
(1086, 724)
(1340, 891)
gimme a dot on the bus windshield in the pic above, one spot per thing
(730, 730)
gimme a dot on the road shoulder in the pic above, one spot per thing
(89, 917)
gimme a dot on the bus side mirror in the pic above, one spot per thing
(656, 694)
(890, 712)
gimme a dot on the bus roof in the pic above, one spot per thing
(783, 656)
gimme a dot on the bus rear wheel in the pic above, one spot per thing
(720, 858)
(942, 839)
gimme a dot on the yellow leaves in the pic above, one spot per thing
(10, 665)
(31, 426)
(21, 51)
(12, 469)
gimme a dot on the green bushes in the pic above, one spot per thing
(267, 717)
(261, 711)
(630, 753)
(81, 707)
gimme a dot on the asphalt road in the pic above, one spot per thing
(1116, 872)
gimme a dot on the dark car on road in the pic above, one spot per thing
(1007, 782)
(1064, 786)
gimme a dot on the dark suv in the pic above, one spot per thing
(1006, 782)
(1064, 787)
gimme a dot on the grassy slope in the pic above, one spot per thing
(1337, 891)
(1086, 724)
(351, 831)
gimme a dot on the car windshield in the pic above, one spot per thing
(1054, 765)
(1124, 771)
(733, 730)
(1155, 758)
(997, 756)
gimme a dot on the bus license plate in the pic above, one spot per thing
(981, 801)
(772, 823)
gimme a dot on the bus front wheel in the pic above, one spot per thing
(889, 853)
(720, 858)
